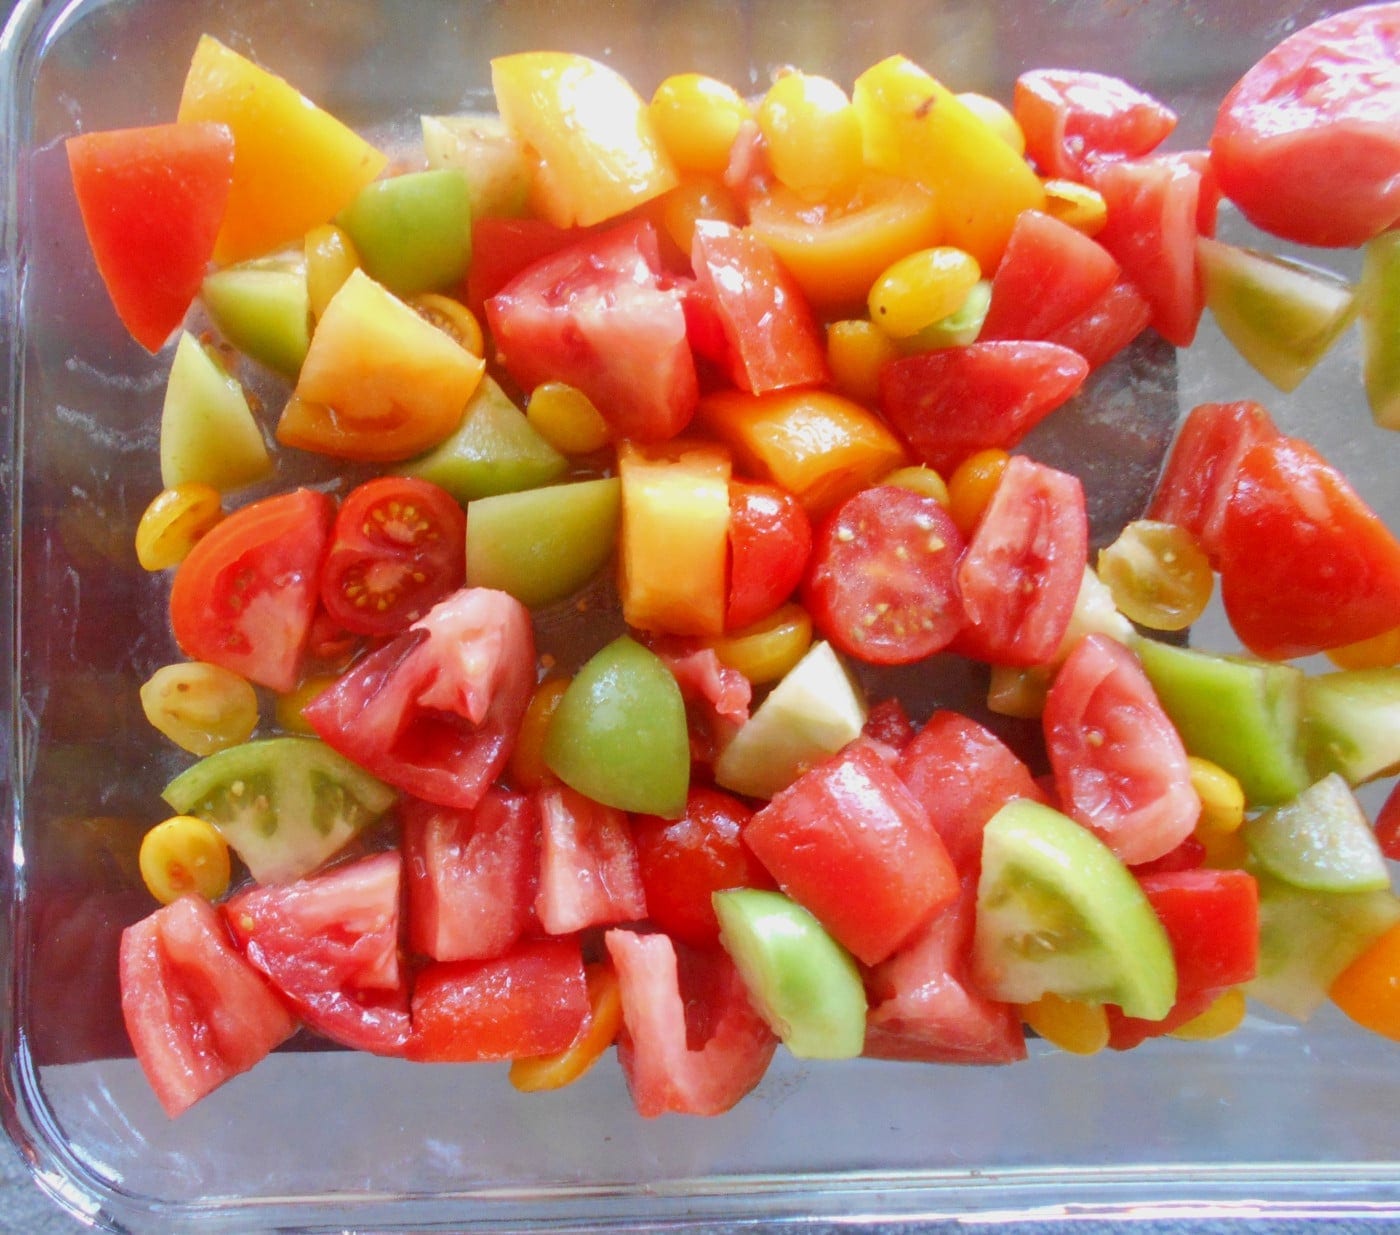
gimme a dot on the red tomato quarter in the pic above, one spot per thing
(732, 1044)
(436, 710)
(770, 539)
(597, 316)
(849, 842)
(1120, 768)
(1305, 564)
(883, 579)
(1021, 573)
(246, 595)
(952, 402)
(1074, 119)
(471, 875)
(152, 202)
(398, 547)
(588, 864)
(330, 944)
(684, 861)
(1321, 110)
(196, 1012)
(531, 1001)
(1105, 329)
(773, 339)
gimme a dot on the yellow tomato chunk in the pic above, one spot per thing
(856, 351)
(597, 149)
(605, 1020)
(675, 536)
(294, 165)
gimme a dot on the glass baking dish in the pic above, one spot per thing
(1276, 1119)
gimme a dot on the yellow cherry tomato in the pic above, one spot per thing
(1225, 1015)
(1078, 1028)
(330, 259)
(184, 855)
(289, 708)
(1378, 652)
(1083, 208)
(453, 318)
(546, 1072)
(528, 769)
(1159, 575)
(765, 651)
(856, 351)
(567, 419)
(1222, 797)
(200, 707)
(697, 119)
(812, 136)
(175, 519)
(919, 479)
(971, 486)
(922, 288)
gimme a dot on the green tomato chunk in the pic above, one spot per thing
(1379, 297)
(1321, 841)
(619, 734)
(413, 232)
(263, 309)
(491, 157)
(494, 450)
(801, 981)
(1351, 723)
(207, 430)
(285, 805)
(544, 544)
(1058, 913)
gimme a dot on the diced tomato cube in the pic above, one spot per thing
(852, 844)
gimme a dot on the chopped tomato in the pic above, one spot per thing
(962, 774)
(597, 316)
(1388, 825)
(673, 1064)
(716, 696)
(531, 1001)
(1102, 331)
(503, 247)
(1200, 473)
(947, 404)
(330, 945)
(925, 1006)
(1154, 217)
(152, 201)
(883, 579)
(471, 875)
(1295, 528)
(588, 864)
(1187, 856)
(436, 710)
(1050, 276)
(684, 861)
(773, 339)
(889, 724)
(398, 547)
(1074, 119)
(1120, 768)
(246, 595)
(1023, 567)
(849, 842)
(197, 1013)
(1321, 108)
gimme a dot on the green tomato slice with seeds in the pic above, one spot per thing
(1058, 913)
(285, 805)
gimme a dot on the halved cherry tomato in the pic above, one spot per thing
(398, 547)
(245, 596)
(883, 580)
(1073, 119)
(770, 539)
(1295, 528)
(1321, 108)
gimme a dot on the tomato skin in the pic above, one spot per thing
(1322, 107)
(849, 842)
(1200, 472)
(196, 1012)
(1021, 573)
(924, 1005)
(398, 547)
(531, 1001)
(1295, 529)
(950, 403)
(683, 861)
(1120, 768)
(1074, 119)
(1105, 329)
(660, 1010)
(882, 585)
(770, 540)
(1049, 276)
(962, 774)
(773, 339)
(1388, 825)
(471, 875)
(330, 944)
(246, 595)
(597, 316)
(152, 200)
(589, 873)
(436, 710)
